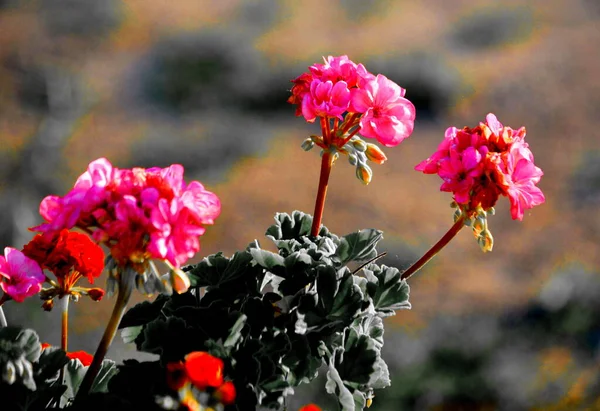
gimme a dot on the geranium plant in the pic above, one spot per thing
(241, 331)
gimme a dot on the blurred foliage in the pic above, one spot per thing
(491, 27)
(81, 18)
(585, 181)
(431, 83)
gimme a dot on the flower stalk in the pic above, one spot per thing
(460, 222)
(64, 338)
(326, 164)
(126, 286)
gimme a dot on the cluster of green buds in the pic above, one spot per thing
(477, 220)
(358, 152)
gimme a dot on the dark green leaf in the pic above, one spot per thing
(386, 289)
(359, 246)
(144, 312)
(333, 304)
(217, 269)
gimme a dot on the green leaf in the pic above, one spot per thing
(356, 369)
(19, 349)
(217, 269)
(144, 312)
(336, 386)
(235, 333)
(75, 372)
(386, 289)
(359, 246)
(267, 259)
(288, 227)
(50, 362)
(129, 334)
(332, 305)
(108, 369)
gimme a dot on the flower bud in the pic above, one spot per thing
(352, 159)
(48, 305)
(359, 145)
(226, 393)
(479, 224)
(179, 280)
(96, 294)
(375, 154)
(364, 173)
(485, 241)
(308, 144)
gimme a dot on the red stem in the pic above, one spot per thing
(435, 249)
(326, 163)
(352, 134)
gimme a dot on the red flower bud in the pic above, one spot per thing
(226, 393)
(96, 294)
(47, 305)
(375, 154)
(310, 407)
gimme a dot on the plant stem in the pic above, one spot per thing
(64, 338)
(435, 249)
(123, 295)
(326, 163)
(4, 299)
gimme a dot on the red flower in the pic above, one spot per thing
(69, 256)
(226, 393)
(310, 407)
(204, 370)
(84, 357)
(176, 375)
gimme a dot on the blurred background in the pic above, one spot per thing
(205, 83)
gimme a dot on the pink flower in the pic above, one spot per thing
(20, 276)
(387, 115)
(524, 175)
(340, 69)
(325, 99)
(480, 164)
(139, 213)
(459, 172)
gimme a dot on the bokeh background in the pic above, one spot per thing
(205, 83)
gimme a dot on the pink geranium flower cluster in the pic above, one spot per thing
(343, 90)
(140, 214)
(480, 164)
